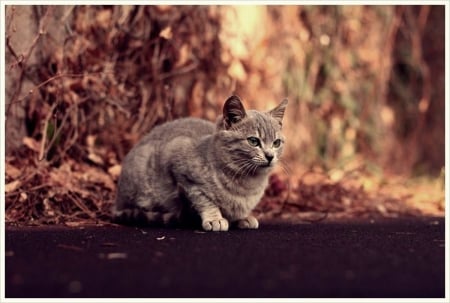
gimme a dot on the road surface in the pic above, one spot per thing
(385, 258)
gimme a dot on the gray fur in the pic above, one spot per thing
(191, 167)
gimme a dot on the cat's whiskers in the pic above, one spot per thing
(251, 169)
(284, 166)
(254, 168)
(235, 166)
(242, 167)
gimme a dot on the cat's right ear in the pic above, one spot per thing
(278, 112)
(233, 111)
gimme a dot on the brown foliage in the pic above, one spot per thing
(93, 79)
(118, 72)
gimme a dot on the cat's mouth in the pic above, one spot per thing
(266, 165)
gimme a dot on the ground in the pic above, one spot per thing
(363, 259)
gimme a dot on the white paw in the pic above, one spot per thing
(248, 223)
(215, 225)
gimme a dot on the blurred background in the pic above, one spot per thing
(364, 125)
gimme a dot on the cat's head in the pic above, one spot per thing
(252, 140)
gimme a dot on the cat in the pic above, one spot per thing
(192, 170)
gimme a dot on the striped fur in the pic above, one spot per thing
(191, 170)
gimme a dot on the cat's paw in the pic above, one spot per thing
(215, 225)
(248, 223)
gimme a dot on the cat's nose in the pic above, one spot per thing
(269, 157)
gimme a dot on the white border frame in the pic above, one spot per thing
(233, 2)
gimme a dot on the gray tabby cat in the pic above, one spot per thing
(191, 168)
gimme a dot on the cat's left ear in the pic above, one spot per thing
(278, 112)
(233, 111)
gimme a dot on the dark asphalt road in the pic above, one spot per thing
(399, 258)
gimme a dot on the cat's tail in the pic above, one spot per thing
(139, 216)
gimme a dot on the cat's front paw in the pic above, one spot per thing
(248, 223)
(215, 225)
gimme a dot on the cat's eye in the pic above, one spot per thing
(253, 141)
(277, 143)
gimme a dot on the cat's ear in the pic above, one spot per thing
(233, 111)
(278, 112)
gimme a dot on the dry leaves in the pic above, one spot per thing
(108, 81)
(317, 196)
(121, 70)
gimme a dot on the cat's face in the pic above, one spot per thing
(262, 140)
(253, 140)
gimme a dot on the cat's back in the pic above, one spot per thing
(194, 128)
(164, 141)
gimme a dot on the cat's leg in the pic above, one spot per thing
(202, 202)
(191, 184)
(212, 219)
(248, 223)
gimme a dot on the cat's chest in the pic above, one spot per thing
(237, 201)
(235, 207)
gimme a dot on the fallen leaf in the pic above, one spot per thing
(23, 196)
(90, 141)
(95, 158)
(12, 171)
(116, 255)
(103, 18)
(98, 176)
(12, 186)
(185, 55)
(381, 208)
(114, 170)
(70, 247)
(166, 33)
(160, 238)
(31, 144)
(74, 224)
